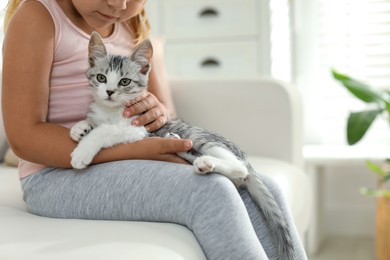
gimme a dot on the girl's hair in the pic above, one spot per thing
(139, 24)
(10, 10)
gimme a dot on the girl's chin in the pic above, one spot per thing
(100, 24)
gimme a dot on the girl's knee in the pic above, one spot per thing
(218, 185)
(217, 191)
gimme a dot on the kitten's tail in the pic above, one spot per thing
(271, 210)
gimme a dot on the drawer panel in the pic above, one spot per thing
(205, 18)
(228, 59)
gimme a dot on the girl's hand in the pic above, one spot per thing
(152, 113)
(162, 149)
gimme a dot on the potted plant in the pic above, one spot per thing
(382, 193)
(358, 124)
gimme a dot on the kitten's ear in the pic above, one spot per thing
(96, 48)
(143, 55)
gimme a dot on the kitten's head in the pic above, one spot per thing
(117, 79)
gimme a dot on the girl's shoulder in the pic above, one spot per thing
(29, 35)
(32, 17)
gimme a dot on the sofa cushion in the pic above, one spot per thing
(26, 236)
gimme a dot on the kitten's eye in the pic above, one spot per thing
(101, 78)
(124, 82)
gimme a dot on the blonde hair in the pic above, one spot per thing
(139, 24)
(10, 10)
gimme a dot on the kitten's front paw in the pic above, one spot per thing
(204, 165)
(140, 135)
(80, 130)
(80, 159)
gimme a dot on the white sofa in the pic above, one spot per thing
(263, 116)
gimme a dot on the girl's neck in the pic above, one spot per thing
(70, 11)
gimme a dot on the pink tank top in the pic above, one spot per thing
(70, 97)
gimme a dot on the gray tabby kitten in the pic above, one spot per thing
(115, 80)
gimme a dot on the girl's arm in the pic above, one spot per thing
(27, 59)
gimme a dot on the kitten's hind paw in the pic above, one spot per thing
(204, 164)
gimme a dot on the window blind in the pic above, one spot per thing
(352, 36)
(355, 37)
(280, 38)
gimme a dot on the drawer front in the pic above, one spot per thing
(228, 59)
(209, 18)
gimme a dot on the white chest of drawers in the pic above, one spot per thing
(213, 38)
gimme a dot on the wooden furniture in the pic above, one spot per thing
(213, 38)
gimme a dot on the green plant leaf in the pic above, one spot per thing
(363, 92)
(358, 89)
(376, 168)
(386, 99)
(339, 76)
(379, 170)
(387, 106)
(375, 192)
(358, 124)
(368, 192)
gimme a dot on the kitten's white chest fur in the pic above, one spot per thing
(110, 128)
(108, 115)
(104, 135)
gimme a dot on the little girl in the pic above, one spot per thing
(45, 92)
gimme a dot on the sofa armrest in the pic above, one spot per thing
(262, 116)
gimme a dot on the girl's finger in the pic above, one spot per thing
(137, 99)
(156, 124)
(149, 118)
(171, 146)
(141, 106)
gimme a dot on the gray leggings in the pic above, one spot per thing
(226, 222)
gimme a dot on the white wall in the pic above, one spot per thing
(347, 212)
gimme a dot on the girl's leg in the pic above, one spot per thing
(261, 228)
(209, 205)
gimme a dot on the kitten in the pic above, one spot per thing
(116, 80)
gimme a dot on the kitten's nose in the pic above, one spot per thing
(109, 92)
